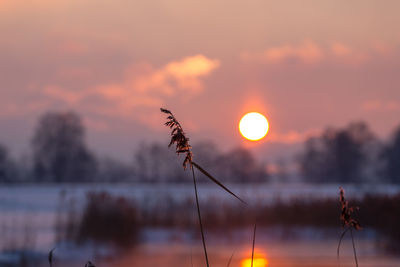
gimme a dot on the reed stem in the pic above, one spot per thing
(254, 242)
(354, 247)
(199, 215)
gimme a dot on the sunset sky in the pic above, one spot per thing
(305, 65)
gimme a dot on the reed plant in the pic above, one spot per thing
(348, 222)
(50, 257)
(182, 146)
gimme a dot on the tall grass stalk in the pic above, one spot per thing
(178, 137)
(354, 247)
(230, 259)
(191, 257)
(254, 242)
(50, 257)
(199, 215)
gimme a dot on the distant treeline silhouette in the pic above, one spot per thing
(351, 155)
(59, 154)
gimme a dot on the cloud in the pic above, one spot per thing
(292, 137)
(59, 93)
(340, 49)
(311, 52)
(307, 52)
(380, 106)
(177, 76)
(143, 86)
(342, 53)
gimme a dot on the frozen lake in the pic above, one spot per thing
(28, 214)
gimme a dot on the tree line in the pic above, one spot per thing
(59, 154)
(352, 154)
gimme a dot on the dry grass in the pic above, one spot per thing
(348, 222)
(179, 138)
(254, 242)
(51, 259)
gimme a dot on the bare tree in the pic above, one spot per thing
(7, 166)
(391, 158)
(338, 155)
(59, 150)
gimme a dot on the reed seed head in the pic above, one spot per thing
(346, 215)
(178, 138)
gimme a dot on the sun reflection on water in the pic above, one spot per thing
(257, 262)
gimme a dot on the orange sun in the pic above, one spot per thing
(253, 126)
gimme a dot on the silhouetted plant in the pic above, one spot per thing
(348, 222)
(178, 137)
(230, 260)
(254, 243)
(50, 257)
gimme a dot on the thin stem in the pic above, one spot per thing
(191, 257)
(340, 242)
(198, 213)
(254, 242)
(230, 259)
(50, 257)
(354, 246)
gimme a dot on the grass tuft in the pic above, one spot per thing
(348, 222)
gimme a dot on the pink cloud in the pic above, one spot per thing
(74, 73)
(307, 52)
(310, 52)
(343, 53)
(340, 49)
(382, 48)
(382, 106)
(70, 97)
(177, 76)
(143, 87)
(291, 137)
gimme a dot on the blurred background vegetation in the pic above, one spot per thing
(59, 154)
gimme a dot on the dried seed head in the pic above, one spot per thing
(178, 137)
(347, 212)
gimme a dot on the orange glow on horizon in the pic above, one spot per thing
(253, 126)
(257, 262)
